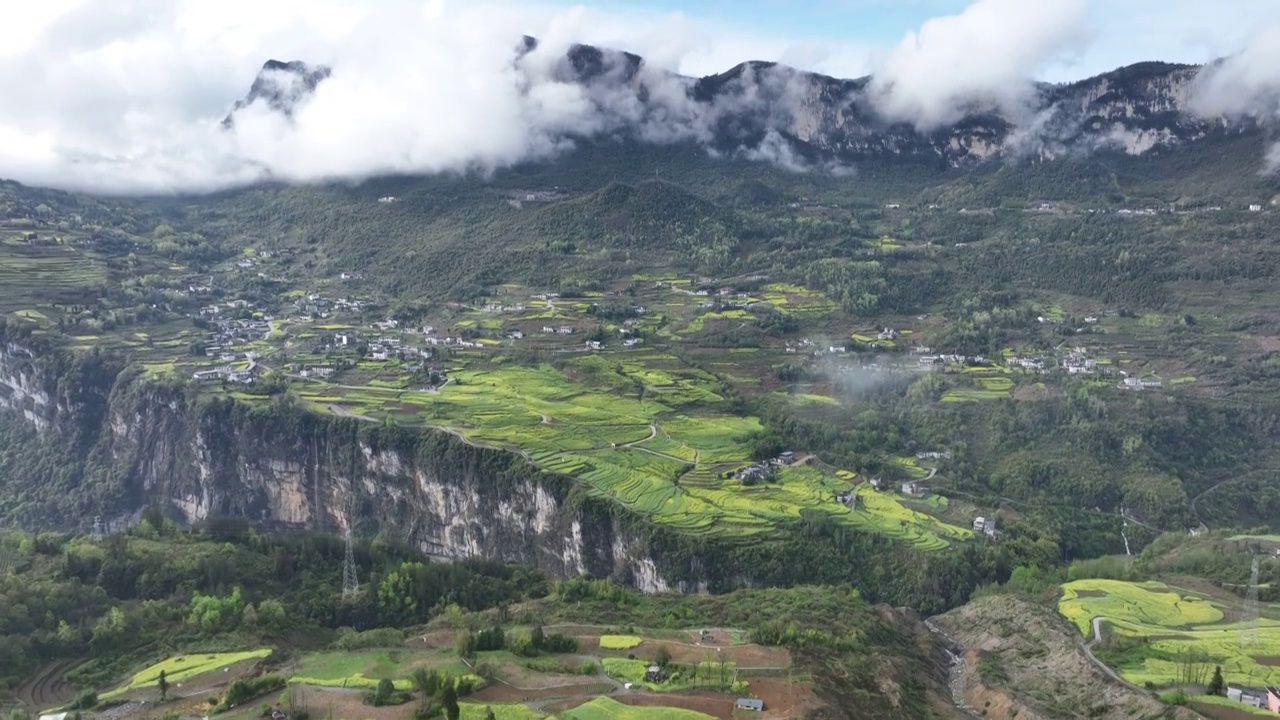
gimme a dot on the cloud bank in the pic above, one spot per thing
(1245, 85)
(128, 96)
(982, 58)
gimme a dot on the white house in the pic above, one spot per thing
(1255, 208)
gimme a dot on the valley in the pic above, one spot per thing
(712, 430)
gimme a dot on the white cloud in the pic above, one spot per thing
(1246, 84)
(984, 57)
(128, 95)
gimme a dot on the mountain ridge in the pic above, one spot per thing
(773, 111)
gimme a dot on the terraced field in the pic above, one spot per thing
(181, 668)
(1171, 625)
(35, 275)
(668, 452)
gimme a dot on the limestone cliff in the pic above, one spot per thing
(285, 468)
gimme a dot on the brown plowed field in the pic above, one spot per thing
(47, 689)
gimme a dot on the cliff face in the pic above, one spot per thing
(285, 468)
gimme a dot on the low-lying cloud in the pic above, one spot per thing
(982, 59)
(128, 96)
(1245, 85)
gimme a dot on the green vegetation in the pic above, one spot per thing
(1150, 604)
(185, 667)
(1163, 636)
(619, 642)
(608, 709)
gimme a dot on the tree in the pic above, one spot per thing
(663, 657)
(449, 698)
(488, 713)
(426, 682)
(1216, 685)
(537, 637)
(163, 684)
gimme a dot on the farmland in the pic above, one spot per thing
(1167, 625)
(181, 668)
(514, 687)
(607, 709)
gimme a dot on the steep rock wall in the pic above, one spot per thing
(282, 467)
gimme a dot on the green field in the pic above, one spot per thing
(364, 669)
(181, 668)
(668, 453)
(619, 642)
(476, 711)
(1169, 625)
(607, 709)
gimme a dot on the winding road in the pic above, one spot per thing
(1087, 647)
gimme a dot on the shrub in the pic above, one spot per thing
(247, 689)
(382, 637)
(386, 694)
(86, 700)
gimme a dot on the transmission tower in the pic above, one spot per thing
(98, 529)
(350, 584)
(1249, 626)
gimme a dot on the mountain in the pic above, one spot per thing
(770, 111)
(281, 85)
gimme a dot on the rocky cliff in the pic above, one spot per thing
(283, 468)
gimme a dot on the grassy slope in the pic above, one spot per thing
(1164, 625)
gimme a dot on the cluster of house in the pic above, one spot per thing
(764, 471)
(929, 361)
(1268, 697)
(235, 332)
(1078, 362)
(986, 527)
(227, 373)
(500, 308)
(1033, 364)
(318, 372)
(1144, 383)
(316, 305)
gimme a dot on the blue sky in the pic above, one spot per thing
(1123, 31)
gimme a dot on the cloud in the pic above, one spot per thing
(1245, 85)
(127, 96)
(982, 58)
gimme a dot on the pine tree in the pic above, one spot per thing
(1216, 685)
(449, 698)
(488, 713)
(164, 686)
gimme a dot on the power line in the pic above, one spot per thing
(350, 583)
(1249, 626)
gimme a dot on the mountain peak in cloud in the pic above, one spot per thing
(281, 86)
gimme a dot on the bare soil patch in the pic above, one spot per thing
(1268, 660)
(47, 688)
(715, 648)
(351, 706)
(783, 699)
(502, 693)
